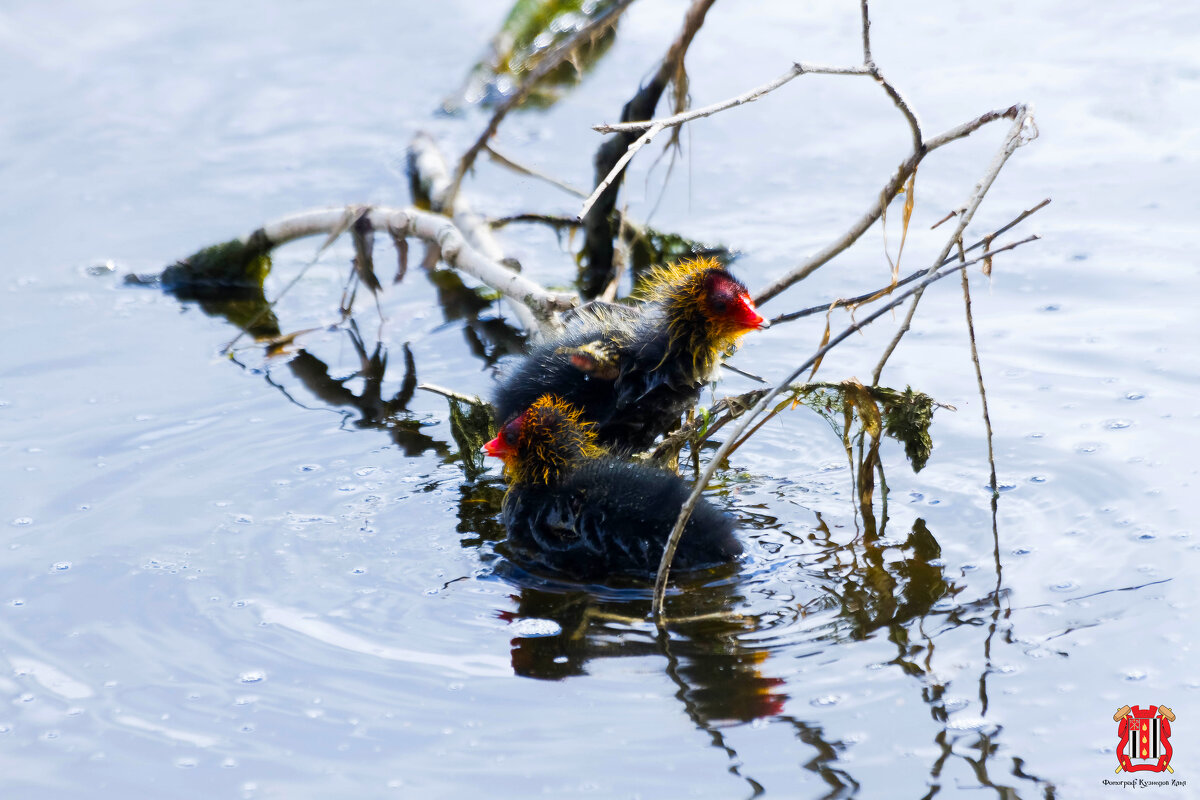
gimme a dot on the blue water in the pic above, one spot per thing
(217, 583)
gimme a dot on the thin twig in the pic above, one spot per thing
(652, 128)
(987, 421)
(552, 220)
(545, 66)
(664, 566)
(451, 394)
(505, 161)
(1013, 140)
(600, 227)
(852, 301)
(881, 199)
(796, 71)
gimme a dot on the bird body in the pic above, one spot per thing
(633, 370)
(578, 511)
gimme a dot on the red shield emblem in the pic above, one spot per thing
(1145, 739)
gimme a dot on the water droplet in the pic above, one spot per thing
(309, 467)
(1003, 486)
(17, 602)
(1135, 675)
(1035, 435)
(244, 519)
(1037, 478)
(359, 571)
(1117, 424)
(1022, 551)
(1135, 395)
(561, 659)
(22, 521)
(253, 676)
(1051, 307)
(1086, 448)
(62, 566)
(1064, 586)
(826, 700)
(187, 762)
(363, 472)
(533, 627)
(1147, 536)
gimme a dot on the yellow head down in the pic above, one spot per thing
(707, 309)
(543, 443)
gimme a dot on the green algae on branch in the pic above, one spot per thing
(230, 266)
(854, 410)
(532, 30)
(471, 426)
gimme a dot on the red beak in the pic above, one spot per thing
(495, 448)
(748, 316)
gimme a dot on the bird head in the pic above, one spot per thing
(544, 442)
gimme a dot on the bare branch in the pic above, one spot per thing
(852, 301)
(664, 567)
(866, 33)
(434, 388)
(796, 71)
(618, 168)
(1022, 131)
(544, 67)
(599, 229)
(884, 197)
(987, 420)
(456, 251)
(430, 176)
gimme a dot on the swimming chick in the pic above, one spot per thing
(576, 510)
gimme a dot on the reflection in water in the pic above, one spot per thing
(715, 653)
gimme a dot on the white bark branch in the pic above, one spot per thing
(541, 304)
(432, 172)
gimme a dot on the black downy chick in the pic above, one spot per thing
(576, 511)
(634, 370)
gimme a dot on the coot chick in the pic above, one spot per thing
(633, 370)
(577, 511)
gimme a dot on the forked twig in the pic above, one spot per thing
(664, 567)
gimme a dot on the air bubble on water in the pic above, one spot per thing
(532, 628)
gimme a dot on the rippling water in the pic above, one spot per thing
(228, 578)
